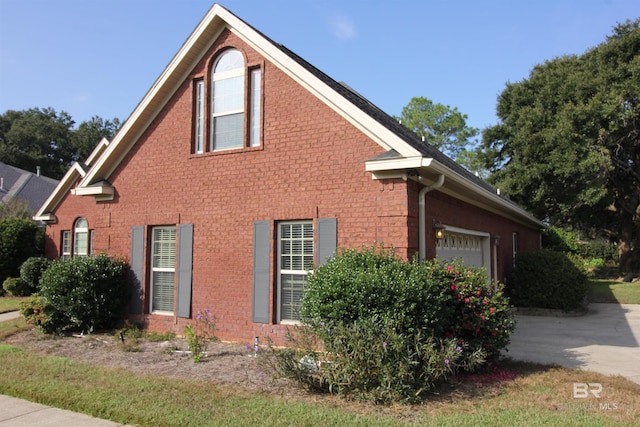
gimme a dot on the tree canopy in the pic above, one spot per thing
(47, 139)
(443, 127)
(567, 146)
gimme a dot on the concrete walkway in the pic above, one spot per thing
(18, 413)
(605, 340)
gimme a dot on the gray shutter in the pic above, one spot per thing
(185, 267)
(137, 269)
(327, 239)
(261, 285)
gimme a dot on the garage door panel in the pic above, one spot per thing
(465, 247)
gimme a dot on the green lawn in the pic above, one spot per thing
(10, 303)
(611, 291)
(538, 395)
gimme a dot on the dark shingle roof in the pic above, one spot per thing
(24, 185)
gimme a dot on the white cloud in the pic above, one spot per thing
(342, 27)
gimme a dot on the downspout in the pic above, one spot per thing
(422, 213)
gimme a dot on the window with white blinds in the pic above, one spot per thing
(295, 254)
(66, 244)
(81, 237)
(163, 269)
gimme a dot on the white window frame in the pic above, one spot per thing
(171, 268)
(199, 118)
(255, 110)
(282, 271)
(219, 77)
(81, 233)
(66, 244)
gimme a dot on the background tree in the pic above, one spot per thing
(567, 146)
(46, 138)
(89, 133)
(443, 127)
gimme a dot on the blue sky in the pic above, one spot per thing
(99, 57)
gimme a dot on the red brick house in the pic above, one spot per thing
(244, 166)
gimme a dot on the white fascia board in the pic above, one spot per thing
(386, 165)
(156, 97)
(485, 193)
(216, 20)
(97, 151)
(58, 193)
(365, 123)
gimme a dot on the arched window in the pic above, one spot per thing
(81, 237)
(227, 101)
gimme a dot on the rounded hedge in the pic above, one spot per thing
(430, 298)
(31, 270)
(16, 287)
(89, 293)
(17, 243)
(547, 279)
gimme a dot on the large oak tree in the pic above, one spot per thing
(47, 139)
(567, 146)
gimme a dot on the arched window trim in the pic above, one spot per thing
(81, 237)
(247, 133)
(228, 101)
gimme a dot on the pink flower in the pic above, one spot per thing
(492, 310)
(467, 300)
(454, 287)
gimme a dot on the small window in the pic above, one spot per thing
(295, 259)
(198, 130)
(66, 244)
(163, 262)
(227, 102)
(254, 105)
(515, 248)
(81, 238)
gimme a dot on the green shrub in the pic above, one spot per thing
(31, 270)
(387, 326)
(16, 287)
(85, 292)
(370, 360)
(38, 312)
(17, 243)
(548, 279)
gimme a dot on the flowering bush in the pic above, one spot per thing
(387, 329)
(199, 335)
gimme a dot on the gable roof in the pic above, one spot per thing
(23, 185)
(408, 155)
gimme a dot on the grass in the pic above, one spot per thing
(538, 395)
(8, 303)
(10, 327)
(612, 291)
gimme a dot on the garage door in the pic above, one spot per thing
(466, 247)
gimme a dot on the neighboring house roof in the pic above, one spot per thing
(406, 155)
(26, 186)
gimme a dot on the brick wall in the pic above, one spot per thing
(311, 164)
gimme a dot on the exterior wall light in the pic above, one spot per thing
(438, 228)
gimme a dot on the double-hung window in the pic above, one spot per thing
(227, 101)
(81, 238)
(232, 100)
(66, 244)
(295, 259)
(163, 269)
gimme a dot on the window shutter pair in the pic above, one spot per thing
(326, 248)
(184, 269)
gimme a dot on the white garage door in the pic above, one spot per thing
(466, 247)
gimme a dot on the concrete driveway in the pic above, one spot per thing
(605, 340)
